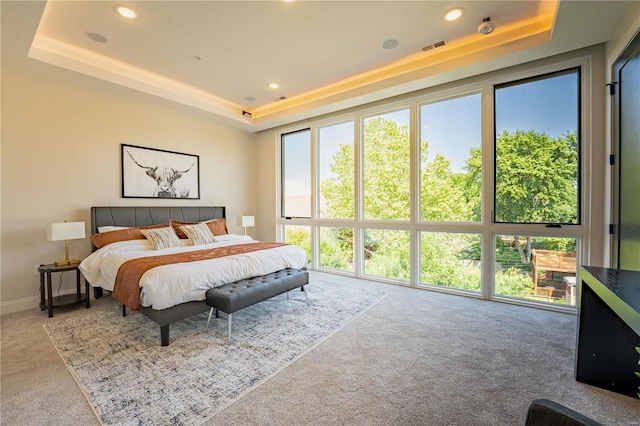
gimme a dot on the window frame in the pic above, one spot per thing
(483, 84)
(282, 174)
(316, 142)
(578, 69)
(360, 171)
(444, 97)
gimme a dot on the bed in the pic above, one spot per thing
(156, 284)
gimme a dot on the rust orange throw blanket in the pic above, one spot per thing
(126, 289)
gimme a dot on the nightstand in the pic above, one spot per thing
(64, 300)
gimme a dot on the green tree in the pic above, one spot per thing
(445, 196)
(390, 258)
(387, 167)
(445, 262)
(299, 236)
(442, 195)
(338, 191)
(471, 182)
(536, 180)
(336, 248)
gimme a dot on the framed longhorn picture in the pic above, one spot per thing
(156, 173)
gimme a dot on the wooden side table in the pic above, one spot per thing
(65, 300)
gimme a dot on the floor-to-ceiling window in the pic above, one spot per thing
(386, 166)
(296, 174)
(450, 188)
(477, 190)
(336, 171)
(386, 194)
(537, 183)
(336, 195)
(296, 199)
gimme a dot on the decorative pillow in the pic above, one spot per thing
(217, 226)
(111, 228)
(102, 239)
(176, 224)
(198, 233)
(161, 238)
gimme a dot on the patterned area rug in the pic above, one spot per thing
(130, 379)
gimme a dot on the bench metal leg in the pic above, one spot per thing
(306, 298)
(209, 319)
(218, 316)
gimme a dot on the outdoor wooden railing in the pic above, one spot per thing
(548, 260)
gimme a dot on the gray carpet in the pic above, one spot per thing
(415, 358)
(129, 379)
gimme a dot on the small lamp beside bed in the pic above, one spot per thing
(66, 231)
(246, 222)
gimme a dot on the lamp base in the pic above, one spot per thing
(67, 262)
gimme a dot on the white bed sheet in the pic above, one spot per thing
(169, 285)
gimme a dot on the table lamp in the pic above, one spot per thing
(66, 231)
(246, 221)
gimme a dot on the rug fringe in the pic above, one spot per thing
(75, 379)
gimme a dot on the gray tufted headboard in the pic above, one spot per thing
(143, 216)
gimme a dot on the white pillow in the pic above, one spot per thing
(232, 237)
(162, 238)
(111, 228)
(198, 233)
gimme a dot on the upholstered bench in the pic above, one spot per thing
(232, 297)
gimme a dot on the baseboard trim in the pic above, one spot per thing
(24, 304)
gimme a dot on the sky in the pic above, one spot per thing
(452, 127)
(548, 105)
(297, 163)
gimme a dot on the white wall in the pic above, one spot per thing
(60, 155)
(266, 195)
(625, 33)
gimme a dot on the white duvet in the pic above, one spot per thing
(169, 285)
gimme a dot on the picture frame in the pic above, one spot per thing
(157, 173)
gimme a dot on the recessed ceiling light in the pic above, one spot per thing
(98, 38)
(453, 14)
(126, 12)
(273, 85)
(249, 99)
(392, 43)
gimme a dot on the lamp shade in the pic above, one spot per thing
(247, 221)
(65, 231)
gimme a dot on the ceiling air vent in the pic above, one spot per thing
(434, 45)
